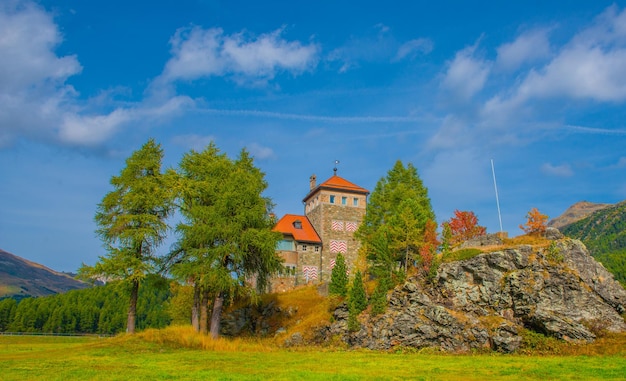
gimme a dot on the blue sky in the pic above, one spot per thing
(539, 87)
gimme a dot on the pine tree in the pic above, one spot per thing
(357, 298)
(397, 212)
(379, 296)
(225, 237)
(131, 222)
(339, 278)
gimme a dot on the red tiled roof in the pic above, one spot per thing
(307, 233)
(338, 183)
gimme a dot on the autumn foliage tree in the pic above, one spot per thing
(536, 222)
(429, 247)
(464, 226)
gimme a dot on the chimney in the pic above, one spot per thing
(312, 181)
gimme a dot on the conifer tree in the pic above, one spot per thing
(131, 222)
(226, 241)
(397, 212)
(379, 296)
(357, 297)
(339, 278)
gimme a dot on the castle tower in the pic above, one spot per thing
(335, 208)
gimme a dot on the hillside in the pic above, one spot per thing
(21, 278)
(604, 234)
(576, 212)
(500, 299)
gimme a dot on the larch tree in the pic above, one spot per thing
(226, 245)
(536, 222)
(397, 212)
(131, 222)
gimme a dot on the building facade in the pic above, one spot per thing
(333, 211)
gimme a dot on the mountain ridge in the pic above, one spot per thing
(20, 278)
(577, 212)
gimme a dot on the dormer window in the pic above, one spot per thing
(297, 224)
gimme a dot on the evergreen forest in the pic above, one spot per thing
(95, 310)
(604, 234)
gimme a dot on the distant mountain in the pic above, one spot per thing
(575, 213)
(604, 234)
(21, 278)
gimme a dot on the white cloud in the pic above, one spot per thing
(591, 66)
(260, 152)
(32, 76)
(193, 141)
(466, 75)
(35, 100)
(452, 133)
(413, 47)
(201, 53)
(381, 46)
(563, 170)
(28, 37)
(91, 130)
(529, 47)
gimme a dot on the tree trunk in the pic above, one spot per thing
(132, 307)
(204, 312)
(195, 317)
(216, 315)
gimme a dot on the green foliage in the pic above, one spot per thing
(225, 238)
(131, 222)
(393, 228)
(93, 310)
(461, 254)
(339, 278)
(7, 313)
(553, 253)
(162, 358)
(534, 342)
(379, 296)
(604, 234)
(357, 299)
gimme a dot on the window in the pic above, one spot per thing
(317, 249)
(297, 224)
(355, 201)
(332, 198)
(286, 245)
(344, 200)
(303, 247)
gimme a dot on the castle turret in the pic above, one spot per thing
(336, 208)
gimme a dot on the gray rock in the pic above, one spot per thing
(485, 302)
(553, 234)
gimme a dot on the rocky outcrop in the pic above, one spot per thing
(485, 302)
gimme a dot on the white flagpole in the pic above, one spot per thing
(493, 171)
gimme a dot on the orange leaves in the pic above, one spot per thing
(429, 248)
(536, 222)
(464, 225)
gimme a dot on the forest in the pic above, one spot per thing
(96, 310)
(604, 234)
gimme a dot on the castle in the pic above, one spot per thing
(333, 211)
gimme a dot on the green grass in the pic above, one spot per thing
(136, 358)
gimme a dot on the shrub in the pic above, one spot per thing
(339, 278)
(379, 297)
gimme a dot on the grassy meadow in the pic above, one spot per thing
(177, 353)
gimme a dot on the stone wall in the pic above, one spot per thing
(335, 223)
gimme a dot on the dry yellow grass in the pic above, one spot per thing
(187, 337)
